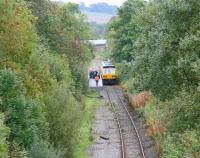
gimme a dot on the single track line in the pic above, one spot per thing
(134, 125)
(119, 126)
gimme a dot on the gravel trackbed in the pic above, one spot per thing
(107, 143)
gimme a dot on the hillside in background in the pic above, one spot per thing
(98, 15)
(99, 8)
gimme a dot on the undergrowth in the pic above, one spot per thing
(173, 124)
(85, 138)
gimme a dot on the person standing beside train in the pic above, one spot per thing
(97, 78)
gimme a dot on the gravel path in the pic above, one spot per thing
(105, 125)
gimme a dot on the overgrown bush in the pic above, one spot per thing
(24, 115)
(175, 125)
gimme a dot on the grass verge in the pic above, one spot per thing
(85, 138)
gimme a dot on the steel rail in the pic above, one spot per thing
(134, 125)
(119, 126)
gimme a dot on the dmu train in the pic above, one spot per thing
(108, 72)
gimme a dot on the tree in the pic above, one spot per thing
(124, 31)
(164, 58)
(154, 36)
(18, 38)
(43, 53)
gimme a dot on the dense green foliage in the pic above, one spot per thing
(157, 44)
(43, 60)
(124, 32)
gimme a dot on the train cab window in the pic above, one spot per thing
(109, 71)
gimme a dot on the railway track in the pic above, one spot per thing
(127, 138)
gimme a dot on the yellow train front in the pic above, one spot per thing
(108, 72)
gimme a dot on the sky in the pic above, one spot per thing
(88, 2)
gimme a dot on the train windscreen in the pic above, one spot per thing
(109, 71)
